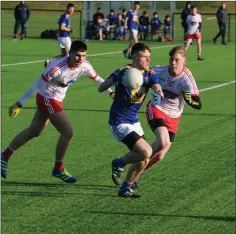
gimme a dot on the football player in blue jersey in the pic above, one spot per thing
(132, 21)
(65, 29)
(124, 122)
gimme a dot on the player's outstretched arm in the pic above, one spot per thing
(105, 86)
(14, 109)
(158, 95)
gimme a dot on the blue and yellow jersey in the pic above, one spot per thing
(127, 102)
(64, 19)
(133, 20)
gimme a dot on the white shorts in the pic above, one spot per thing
(64, 42)
(124, 129)
(134, 32)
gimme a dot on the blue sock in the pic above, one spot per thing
(118, 162)
(125, 186)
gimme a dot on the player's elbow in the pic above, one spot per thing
(100, 88)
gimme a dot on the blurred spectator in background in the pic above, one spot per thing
(65, 29)
(97, 14)
(166, 29)
(155, 23)
(119, 23)
(100, 27)
(222, 19)
(186, 11)
(22, 14)
(111, 23)
(144, 22)
(133, 24)
(125, 18)
(194, 21)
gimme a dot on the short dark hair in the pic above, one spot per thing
(99, 8)
(124, 10)
(155, 13)
(78, 46)
(69, 5)
(137, 47)
(144, 12)
(112, 10)
(136, 3)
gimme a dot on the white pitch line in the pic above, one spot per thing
(91, 55)
(211, 18)
(218, 86)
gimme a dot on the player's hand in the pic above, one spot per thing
(187, 96)
(157, 99)
(112, 95)
(14, 110)
(71, 30)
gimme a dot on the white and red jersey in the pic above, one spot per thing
(59, 76)
(193, 22)
(173, 88)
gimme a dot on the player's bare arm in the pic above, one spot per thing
(64, 28)
(157, 89)
(14, 109)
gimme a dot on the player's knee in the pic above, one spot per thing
(69, 133)
(34, 133)
(165, 143)
(146, 153)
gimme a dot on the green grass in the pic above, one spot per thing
(191, 191)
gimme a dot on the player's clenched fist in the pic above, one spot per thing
(14, 110)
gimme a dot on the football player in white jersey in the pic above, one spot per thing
(51, 88)
(194, 23)
(179, 86)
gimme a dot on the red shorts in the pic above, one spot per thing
(194, 36)
(48, 106)
(154, 113)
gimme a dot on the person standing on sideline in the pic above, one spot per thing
(222, 19)
(194, 22)
(124, 122)
(22, 14)
(133, 25)
(51, 88)
(65, 29)
(186, 11)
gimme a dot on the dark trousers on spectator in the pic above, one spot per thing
(185, 27)
(222, 31)
(22, 24)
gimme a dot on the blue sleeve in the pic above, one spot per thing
(116, 76)
(154, 80)
(64, 20)
(129, 14)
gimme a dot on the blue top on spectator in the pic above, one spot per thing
(64, 19)
(133, 20)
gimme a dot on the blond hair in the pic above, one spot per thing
(178, 50)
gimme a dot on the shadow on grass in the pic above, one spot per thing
(141, 112)
(215, 218)
(51, 194)
(61, 193)
(60, 184)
